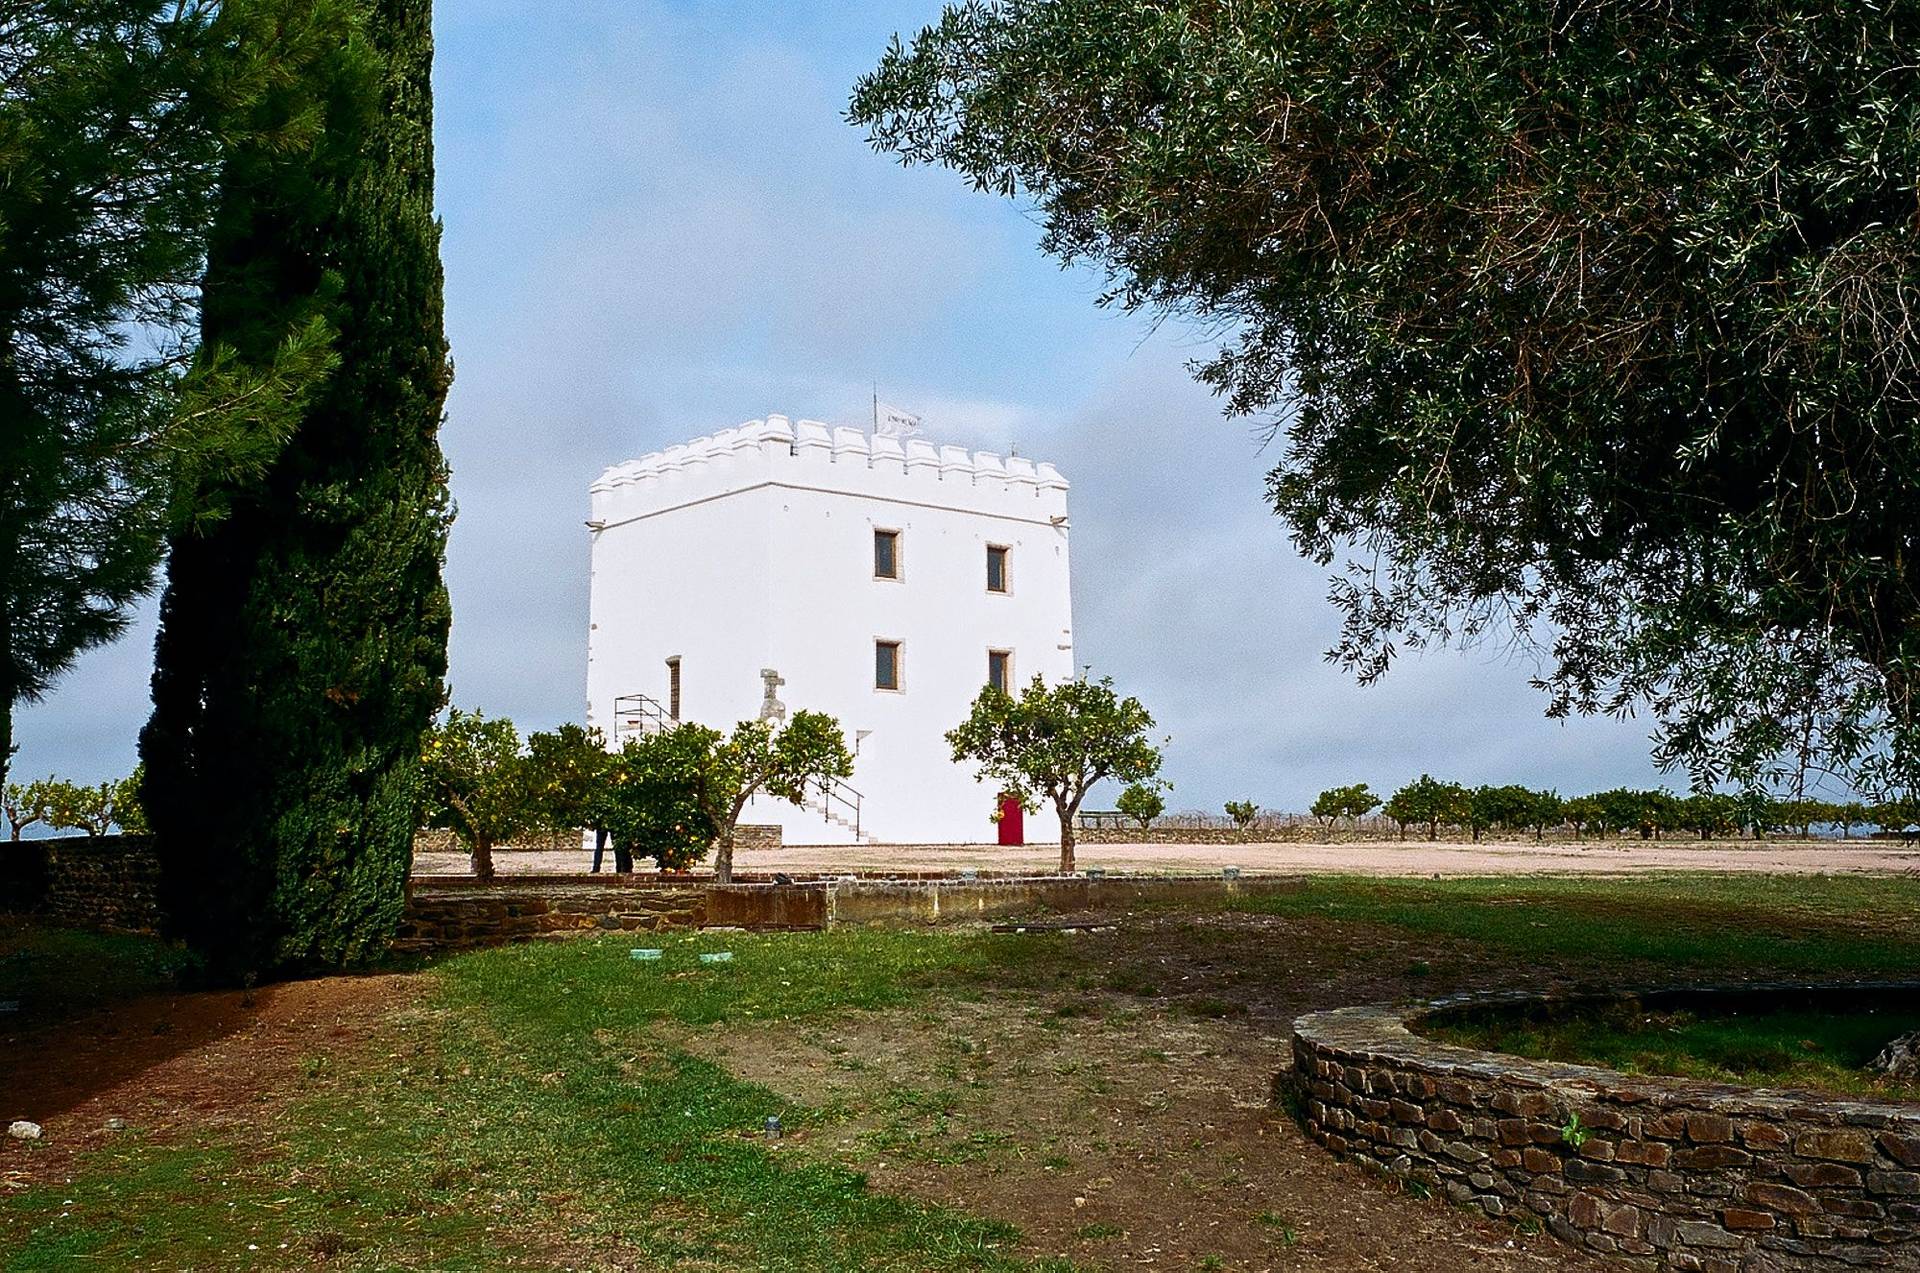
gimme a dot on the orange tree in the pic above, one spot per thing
(1058, 741)
(725, 771)
(474, 783)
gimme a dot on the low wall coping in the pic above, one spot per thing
(1385, 1033)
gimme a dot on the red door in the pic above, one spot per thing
(1013, 829)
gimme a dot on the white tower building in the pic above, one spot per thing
(780, 566)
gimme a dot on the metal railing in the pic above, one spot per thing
(837, 794)
(638, 714)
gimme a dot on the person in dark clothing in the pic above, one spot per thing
(622, 854)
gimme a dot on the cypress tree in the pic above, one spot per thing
(303, 637)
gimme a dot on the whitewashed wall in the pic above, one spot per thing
(754, 548)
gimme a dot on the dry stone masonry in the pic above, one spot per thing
(1679, 1174)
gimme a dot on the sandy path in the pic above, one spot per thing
(1380, 857)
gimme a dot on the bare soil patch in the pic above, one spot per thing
(174, 1065)
(1125, 1117)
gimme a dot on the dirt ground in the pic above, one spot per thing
(1115, 1102)
(1360, 857)
(1126, 1119)
(179, 1065)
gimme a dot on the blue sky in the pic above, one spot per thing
(658, 224)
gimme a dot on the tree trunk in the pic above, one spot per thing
(1066, 842)
(723, 856)
(482, 857)
(1433, 830)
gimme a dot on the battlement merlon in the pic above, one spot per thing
(808, 455)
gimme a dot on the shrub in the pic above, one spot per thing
(1243, 812)
(1142, 802)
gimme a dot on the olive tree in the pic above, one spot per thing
(1590, 326)
(1058, 741)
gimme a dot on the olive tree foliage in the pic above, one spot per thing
(727, 770)
(1142, 802)
(1242, 813)
(1058, 741)
(474, 783)
(1592, 327)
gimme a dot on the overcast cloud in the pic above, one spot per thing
(657, 224)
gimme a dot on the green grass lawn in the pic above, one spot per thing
(544, 1107)
(1819, 926)
(1775, 1049)
(535, 1086)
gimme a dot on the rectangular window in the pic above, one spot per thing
(673, 688)
(996, 568)
(886, 665)
(886, 554)
(1000, 670)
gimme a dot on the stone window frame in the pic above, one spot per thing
(895, 535)
(1006, 671)
(1006, 569)
(899, 649)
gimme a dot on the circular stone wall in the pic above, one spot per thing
(1686, 1175)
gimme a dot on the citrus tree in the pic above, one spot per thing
(1057, 741)
(725, 771)
(1142, 802)
(1427, 799)
(566, 774)
(25, 804)
(1355, 802)
(648, 802)
(474, 783)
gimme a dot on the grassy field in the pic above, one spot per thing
(1775, 1049)
(560, 1105)
(531, 1082)
(1838, 925)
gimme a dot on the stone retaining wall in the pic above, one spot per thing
(434, 840)
(490, 915)
(1685, 1175)
(451, 912)
(108, 882)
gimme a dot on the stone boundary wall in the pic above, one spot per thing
(446, 913)
(106, 882)
(494, 914)
(1684, 1175)
(434, 840)
(1132, 834)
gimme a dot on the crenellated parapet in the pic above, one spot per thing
(809, 455)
